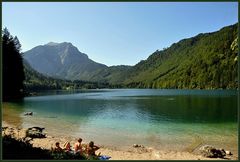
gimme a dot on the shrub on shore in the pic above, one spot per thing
(23, 149)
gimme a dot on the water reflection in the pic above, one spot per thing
(191, 109)
(180, 108)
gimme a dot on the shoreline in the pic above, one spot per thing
(138, 153)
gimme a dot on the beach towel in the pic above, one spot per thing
(104, 157)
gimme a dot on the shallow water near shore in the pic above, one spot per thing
(163, 119)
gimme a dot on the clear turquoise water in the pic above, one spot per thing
(166, 119)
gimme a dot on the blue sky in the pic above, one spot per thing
(114, 33)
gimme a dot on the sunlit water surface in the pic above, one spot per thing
(164, 119)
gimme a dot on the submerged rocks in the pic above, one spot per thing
(212, 152)
(28, 113)
(140, 148)
(35, 132)
(137, 145)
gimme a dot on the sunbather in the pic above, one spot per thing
(58, 148)
(78, 146)
(67, 146)
(91, 148)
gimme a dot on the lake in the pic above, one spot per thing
(164, 119)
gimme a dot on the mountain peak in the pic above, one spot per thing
(52, 44)
(55, 44)
(62, 60)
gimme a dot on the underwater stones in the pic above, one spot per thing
(140, 148)
(137, 145)
(28, 113)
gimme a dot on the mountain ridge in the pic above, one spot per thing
(195, 62)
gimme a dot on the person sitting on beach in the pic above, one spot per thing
(78, 146)
(91, 148)
(67, 147)
(58, 148)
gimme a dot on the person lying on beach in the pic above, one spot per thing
(78, 146)
(90, 150)
(58, 148)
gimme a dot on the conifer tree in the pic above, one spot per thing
(12, 63)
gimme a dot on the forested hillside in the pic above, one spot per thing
(206, 61)
(112, 74)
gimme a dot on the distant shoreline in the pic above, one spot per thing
(33, 93)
